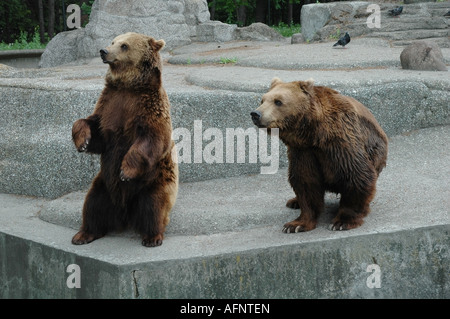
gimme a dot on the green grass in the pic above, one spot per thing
(23, 44)
(227, 60)
(286, 30)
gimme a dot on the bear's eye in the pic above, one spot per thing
(278, 103)
(262, 101)
(124, 47)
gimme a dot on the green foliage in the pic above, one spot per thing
(286, 30)
(227, 60)
(23, 44)
(86, 8)
(15, 18)
(336, 35)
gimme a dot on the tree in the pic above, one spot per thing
(41, 21)
(51, 18)
(261, 11)
(15, 18)
(241, 12)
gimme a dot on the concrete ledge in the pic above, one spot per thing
(10, 54)
(21, 58)
(225, 240)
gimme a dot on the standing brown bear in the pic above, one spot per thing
(131, 129)
(334, 144)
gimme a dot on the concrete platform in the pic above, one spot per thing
(225, 240)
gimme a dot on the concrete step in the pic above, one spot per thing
(225, 240)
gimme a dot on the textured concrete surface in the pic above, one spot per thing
(38, 107)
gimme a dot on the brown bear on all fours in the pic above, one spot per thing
(334, 144)
(131, 129)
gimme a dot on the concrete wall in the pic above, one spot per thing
(411, 263)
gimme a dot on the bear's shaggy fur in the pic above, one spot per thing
(334, 144)
(131, 128)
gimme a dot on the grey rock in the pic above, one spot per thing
(62, 48)
(423, 55)
(258, 31)
(297, 38)
(173, 21)
(216, 31)
(313, 17)
(323, 22)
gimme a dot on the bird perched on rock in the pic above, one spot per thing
(447, 14)
(343, 40)
(396, 12)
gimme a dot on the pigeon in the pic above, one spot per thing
(343, 40)
(396, 12)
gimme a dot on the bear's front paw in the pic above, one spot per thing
(83, 147)
(81, 134)
(128, 170)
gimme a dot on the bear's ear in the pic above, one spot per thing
(274, 82)
(157, 44)
(307, 86)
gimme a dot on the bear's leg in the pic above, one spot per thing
(151, 213)
(353, 207)
(97, 214)
(310, 200)
(306, 180)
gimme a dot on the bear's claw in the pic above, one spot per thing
(291, 229)
(340, 225)
(84, 146)
(297, 229)
(122, 176)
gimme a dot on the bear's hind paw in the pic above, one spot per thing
(339, 225)
(83, 237)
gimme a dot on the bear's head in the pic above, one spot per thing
(285, 104)
(134, 61)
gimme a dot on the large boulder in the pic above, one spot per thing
(423, 55)
(175, 21)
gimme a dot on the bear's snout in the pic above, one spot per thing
(256, 116)
(103, 54)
